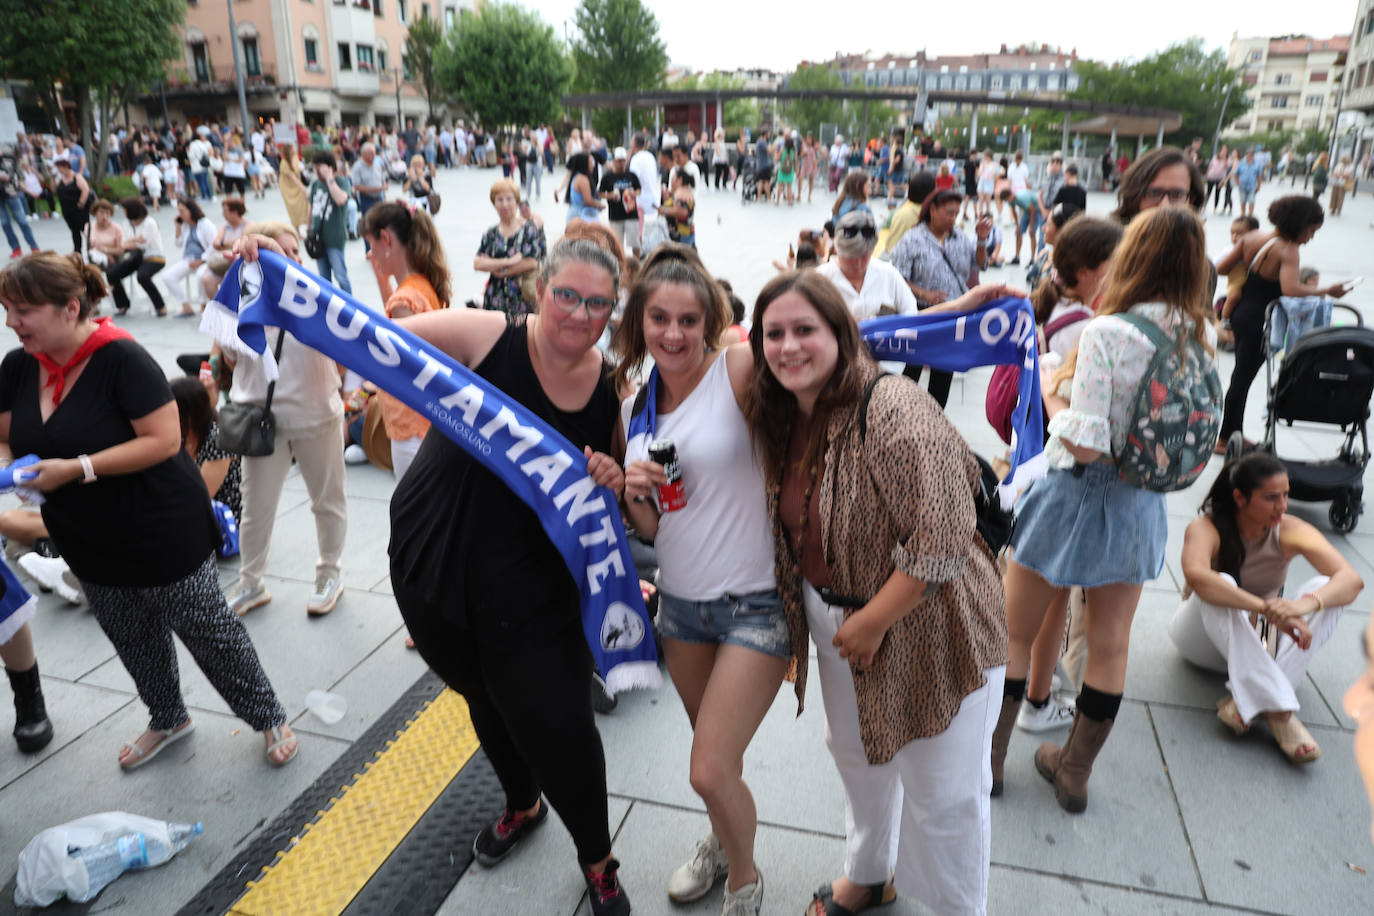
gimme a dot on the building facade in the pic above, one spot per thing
(1357, 128)
(1293, 82)
(1025, 70)
(304, 61)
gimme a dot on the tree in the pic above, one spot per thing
(102, 51)
(1184, 77)
(736, 114)
(808, 114)
(506, 64)
(422, 41)
(617, 48)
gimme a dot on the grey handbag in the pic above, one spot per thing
(247, 429)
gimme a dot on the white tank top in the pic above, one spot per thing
(721, 542)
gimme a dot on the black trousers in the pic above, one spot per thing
(76, 222)
(524, 668)
(939, 383)
(1247, 322)
(131, 263)
(722, 173)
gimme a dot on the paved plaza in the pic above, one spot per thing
(1184, 818)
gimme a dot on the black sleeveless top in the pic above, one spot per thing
(457, 531)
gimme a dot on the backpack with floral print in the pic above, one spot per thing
(1174, 422)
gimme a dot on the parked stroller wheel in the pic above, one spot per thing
(1344, 513)
(1235, 446)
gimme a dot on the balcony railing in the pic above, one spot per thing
(222, 76)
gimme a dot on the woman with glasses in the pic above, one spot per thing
(868, 286)
(939, 262)
(725, 637)
(510, 251)
(1274, 266)
(486, 595)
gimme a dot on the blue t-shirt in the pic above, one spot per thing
(761, 157)
(1247, 174)
(78, 155)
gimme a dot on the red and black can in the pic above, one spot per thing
(672, 496)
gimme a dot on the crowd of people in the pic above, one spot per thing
(831, 506)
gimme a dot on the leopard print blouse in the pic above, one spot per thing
(901, 497)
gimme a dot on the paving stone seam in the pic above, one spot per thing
(1132, 889)
(1178, 806)
(1211, 711)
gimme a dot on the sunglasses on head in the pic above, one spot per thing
(867, 232)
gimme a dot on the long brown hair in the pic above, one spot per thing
(48, 278)
(1137, 179)
(415, 230)
(771, 410)
(1162, 258)
(669, 263)
(855, 186)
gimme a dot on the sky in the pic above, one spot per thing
(729, 34)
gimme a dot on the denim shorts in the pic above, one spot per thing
(753, 621)
(1091, 529)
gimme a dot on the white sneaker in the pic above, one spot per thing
(695, 879)
(354, 454)
(747, 901)
(324, 597)
(1056, 713)
(242, 600)
(48, 572)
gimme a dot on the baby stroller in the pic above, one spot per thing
(749, 182)
(1326, 377)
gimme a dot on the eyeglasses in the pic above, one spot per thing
(1175, 195)
(867, 232)
(570, 300)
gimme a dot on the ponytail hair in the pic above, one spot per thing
(48, 278)
(1244, 474)
(416, 231)
(1084, 243)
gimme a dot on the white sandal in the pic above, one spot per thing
(169, 737)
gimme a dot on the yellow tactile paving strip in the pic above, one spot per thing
(331, 860)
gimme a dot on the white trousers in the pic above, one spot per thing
(319, 452)
(172, 276)
(924, 817)
(1223, 639)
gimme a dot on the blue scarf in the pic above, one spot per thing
(1001, 332)
(541, 467)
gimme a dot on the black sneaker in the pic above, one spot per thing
(602, 701)
(604, 892)
(496, 841)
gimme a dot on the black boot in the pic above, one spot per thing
(32, 730)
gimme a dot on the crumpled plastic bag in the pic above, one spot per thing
(47, 873)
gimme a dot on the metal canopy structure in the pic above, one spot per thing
(1111, 117)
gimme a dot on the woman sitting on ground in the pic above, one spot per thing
(1233, 617)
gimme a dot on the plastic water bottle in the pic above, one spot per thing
(179, 834)
(109, 860)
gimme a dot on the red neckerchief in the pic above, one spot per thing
(105, 332)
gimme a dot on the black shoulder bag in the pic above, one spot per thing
(994, 523)
(247, 429)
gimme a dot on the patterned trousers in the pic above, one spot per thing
(140, 622)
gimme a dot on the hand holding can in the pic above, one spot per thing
(672, 495)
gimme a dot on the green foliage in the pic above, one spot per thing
(506, 64)
(617, 47)
(115, 188)
(422, 42)
(1184, 77)
(807, 115)
(100, 50)
(736, 114)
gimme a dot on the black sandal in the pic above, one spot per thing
(878, 895)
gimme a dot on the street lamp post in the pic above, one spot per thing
(1216, 135)
(396, 72)
(238, 69)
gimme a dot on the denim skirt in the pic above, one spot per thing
(1089, 530)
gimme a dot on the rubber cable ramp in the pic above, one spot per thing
(420, 754)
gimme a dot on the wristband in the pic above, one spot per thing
(87, 469)
(1321, 605)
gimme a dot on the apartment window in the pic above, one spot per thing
(312, 54)
(345, 56)
(451, 18)
(1278, 101)
(1256, 56)
(424, 10)
(366, 61)
(200, 62)
(1359, 77)
(995, 82)
(944, 68)
(1072, 82)
(377, 8)
(381, 63)
(1249, 79)
(963, 68)
(1052, 82)
(1032, 65)
(1283, 79)
(1313, 101)
(961, 82)
(401, 11)
(1015, 82)
(252, 64)
(975, 82)
(1369, 25)
(1318, 76)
